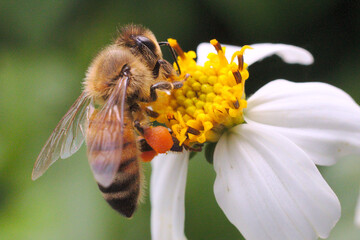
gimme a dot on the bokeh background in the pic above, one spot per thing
(45, 48)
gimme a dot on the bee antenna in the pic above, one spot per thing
(173, 54)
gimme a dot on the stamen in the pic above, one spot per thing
(193, 131)
(219, 50)
(174, 44)
(216, 44)
(237, 76)
(236, 104)
(241, 62)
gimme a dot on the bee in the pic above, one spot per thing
(110, 115)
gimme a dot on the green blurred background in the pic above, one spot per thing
(45, 48)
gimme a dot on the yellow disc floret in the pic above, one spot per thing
(212, 97)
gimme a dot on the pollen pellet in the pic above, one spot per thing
(148, 156)
(158, 138)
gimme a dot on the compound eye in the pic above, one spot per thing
(146, 42)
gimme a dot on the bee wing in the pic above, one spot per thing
(105, 136)
(66, 138)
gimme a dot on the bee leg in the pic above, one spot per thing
(151, 113)
(179, 84)
(160, 86)
(138, 127)
(144, 146)
(176, 146)
(165, 67)
(164, 86)
(172, 51)
(195, 148)
(139, 119)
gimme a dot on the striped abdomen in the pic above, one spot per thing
(104, 141)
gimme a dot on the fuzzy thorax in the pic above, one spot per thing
(211, 100)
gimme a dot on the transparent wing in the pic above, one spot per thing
(104, 136)
(66, 138)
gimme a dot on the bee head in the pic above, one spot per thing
(141, 42)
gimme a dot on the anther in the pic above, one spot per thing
(193, 131)
(216, 45)
(138, 126)
(237, 76)
(241, 62)
(236, 104)
(151, 113)
(219, 50)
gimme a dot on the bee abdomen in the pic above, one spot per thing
(123, 194)
(124, 191)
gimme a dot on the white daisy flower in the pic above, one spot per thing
(266, 183)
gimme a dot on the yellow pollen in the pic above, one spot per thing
(211, 100)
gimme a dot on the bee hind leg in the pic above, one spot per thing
(144, 146)
(176, 146)
(195, 148)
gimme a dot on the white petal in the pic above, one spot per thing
(167, 194)
(357, 213)
(321, 119)
(269, 188)
(289, 53)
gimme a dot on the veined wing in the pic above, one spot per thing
(105, 135)
(66, 138)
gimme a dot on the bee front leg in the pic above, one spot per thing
(160, 86)
(151, 113)
(164, 86)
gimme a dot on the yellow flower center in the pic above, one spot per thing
(212, 97)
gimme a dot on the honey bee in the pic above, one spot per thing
(110, 116)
